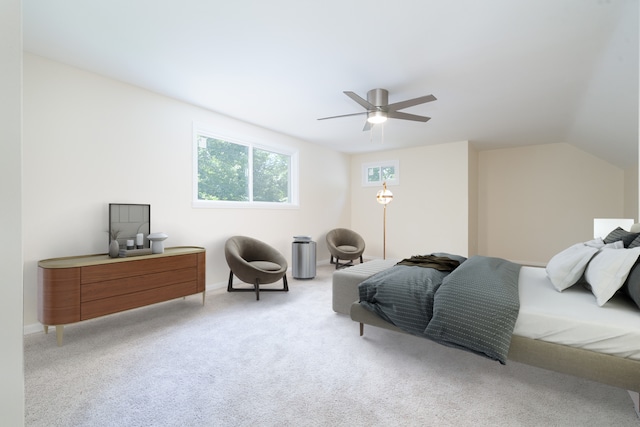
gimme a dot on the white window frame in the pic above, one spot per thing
(294, 178)
(380, 164)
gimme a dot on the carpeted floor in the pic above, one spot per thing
(287, 360)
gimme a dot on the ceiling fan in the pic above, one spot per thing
(379, 109)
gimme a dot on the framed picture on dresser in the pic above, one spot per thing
(130, 224)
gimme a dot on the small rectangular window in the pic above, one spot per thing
(374, 174)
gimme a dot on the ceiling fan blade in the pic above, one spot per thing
(410, 102)
(407, 116)
(343, 115)
(367, 126)
(366, 104)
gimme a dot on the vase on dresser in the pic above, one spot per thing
(114, 249)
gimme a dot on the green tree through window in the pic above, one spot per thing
(222, 170)
(229, 171)
(270, 176)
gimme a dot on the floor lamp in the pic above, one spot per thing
(384, 197)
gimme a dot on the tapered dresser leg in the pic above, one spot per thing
(59, 334)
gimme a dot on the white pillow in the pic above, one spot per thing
(595, 243)
(598, 243)
(566, 267)
(608, 270)
(618, 244)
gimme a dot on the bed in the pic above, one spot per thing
(566, 330)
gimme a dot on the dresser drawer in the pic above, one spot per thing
(104, 306)
(102, 272)
(129, 285)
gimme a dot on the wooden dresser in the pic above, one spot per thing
(78, 288)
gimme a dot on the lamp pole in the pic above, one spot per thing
(384, 197)
(384, 233)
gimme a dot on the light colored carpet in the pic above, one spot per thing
(287, 360)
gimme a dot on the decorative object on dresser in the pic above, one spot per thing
(129, 221)
(114, 247)
(134, 252)
(157, 242)
(78, 288)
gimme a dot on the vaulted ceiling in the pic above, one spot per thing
(504, 72)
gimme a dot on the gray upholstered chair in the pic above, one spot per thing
(254, 262)
(344, 244)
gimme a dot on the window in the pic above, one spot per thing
(374, 174)
(234, 173)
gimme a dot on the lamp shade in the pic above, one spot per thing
(384, 196)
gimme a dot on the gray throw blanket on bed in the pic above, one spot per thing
(474, 308)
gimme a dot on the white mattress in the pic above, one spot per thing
(573, 318)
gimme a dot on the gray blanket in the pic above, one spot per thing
(473, 308)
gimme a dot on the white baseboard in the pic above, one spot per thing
(34, 328)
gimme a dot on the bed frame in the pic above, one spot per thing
(603, 368)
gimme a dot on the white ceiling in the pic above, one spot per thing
(505, 72)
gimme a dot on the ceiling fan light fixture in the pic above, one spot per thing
(378, 109)
(376, 117)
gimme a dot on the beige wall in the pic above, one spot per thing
(537, 200)
(90, 141)
(473, 200)
(430, 208)
(631, 194)
(11, 336)
(524, 204)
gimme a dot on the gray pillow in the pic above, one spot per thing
(635, 243)
(620, 234)
(632, 285)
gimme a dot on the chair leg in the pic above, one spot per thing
(230, 284)
(361, 261)
(331, 259)
(256, 287)
(230, 287)
(349, 263)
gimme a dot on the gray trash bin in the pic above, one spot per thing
(303, 257)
